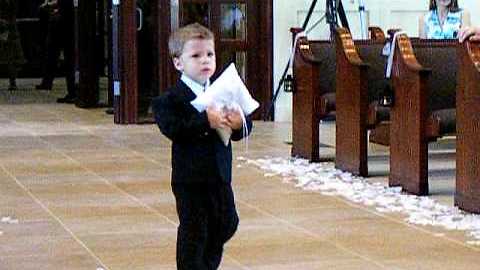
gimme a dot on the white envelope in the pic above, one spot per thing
(228, 91)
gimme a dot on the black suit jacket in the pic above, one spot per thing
(198, 153)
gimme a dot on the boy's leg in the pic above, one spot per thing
(222, 224)
(192, 230)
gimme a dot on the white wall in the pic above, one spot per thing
(291, 13)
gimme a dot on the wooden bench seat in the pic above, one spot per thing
(424, 83)
(426, 107)
(360, 69)
(314, 97)
(314, 68)
(467, 195)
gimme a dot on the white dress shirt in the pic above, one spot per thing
(197, 88)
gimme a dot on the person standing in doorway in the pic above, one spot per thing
(60, 37)
(11, 53)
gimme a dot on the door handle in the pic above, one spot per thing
(139, 19)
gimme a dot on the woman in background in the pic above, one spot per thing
(11, 53)
(444, 20)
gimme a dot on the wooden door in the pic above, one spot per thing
(135, 77)
(243, 31)
(243, 35)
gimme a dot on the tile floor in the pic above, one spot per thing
(91, 195)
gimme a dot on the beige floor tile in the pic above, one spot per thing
(88, 193)
(134, 251)
(263, 247)
(53, 260)
(325, 264)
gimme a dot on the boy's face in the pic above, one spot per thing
(197, 60)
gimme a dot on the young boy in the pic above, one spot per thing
(201, 163)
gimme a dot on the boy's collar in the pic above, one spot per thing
(197, 88)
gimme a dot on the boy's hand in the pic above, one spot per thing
(234, 119)
(216, 118)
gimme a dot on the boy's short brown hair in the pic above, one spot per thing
(188, 32)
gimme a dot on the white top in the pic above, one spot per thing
(449, 29)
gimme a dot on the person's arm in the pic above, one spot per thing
(476, 37)
(421, 27)
(471, 33)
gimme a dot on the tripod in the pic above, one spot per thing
(334, 9)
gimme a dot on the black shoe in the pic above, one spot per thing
(43, 86)
(67, 99)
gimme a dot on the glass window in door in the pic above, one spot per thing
(233, 21)
(195, 12)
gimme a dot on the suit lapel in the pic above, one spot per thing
(185, 91)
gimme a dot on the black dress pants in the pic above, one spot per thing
(208, 219)
(60, 38)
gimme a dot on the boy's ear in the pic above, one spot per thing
(177, 63)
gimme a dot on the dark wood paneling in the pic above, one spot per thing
(87, 95)
(128, 59)
(163, 63)
(264, 83)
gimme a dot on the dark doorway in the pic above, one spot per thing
(35, 25)
(243, 29)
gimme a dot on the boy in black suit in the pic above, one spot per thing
(201, 163)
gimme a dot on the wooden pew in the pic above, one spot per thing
(360, 73)
(467, 195)
(314, 97)
(425, 113)
(423, 110)
(360, 69)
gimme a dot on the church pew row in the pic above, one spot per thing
(467, 195)
(435, 111)
(354, 96)
(314, 96)
(424, 82)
